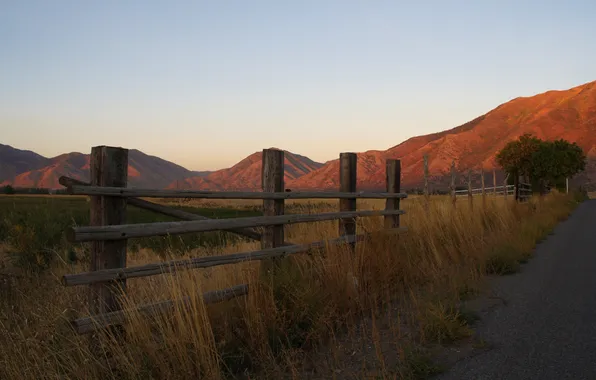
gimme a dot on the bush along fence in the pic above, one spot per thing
(108, 232)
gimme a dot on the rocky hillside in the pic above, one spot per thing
(568, 114)
(15, 161)
(246, 174)
(36, 171)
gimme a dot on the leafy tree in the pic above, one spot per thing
(9, 189)
(546, 162)
(555, 161)
(516, 157)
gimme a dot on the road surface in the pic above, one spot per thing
(547, 328)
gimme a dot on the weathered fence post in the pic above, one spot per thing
(483, 187)
(272, 178)
(453, 194)
(516, 186)
(494, 182)
(393, 181)
(505, 187)
(470, 197)
(108, 168)
(347, 184)
(426, 192)
(567, 185)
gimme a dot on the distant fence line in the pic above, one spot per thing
(521, 189)
(108, 231)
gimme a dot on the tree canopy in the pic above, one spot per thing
(547, 163)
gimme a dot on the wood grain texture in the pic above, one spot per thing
(347, 184)
(109, 167)
(127, 231)
(470, 195)
(200, 194)
(202, 262)
(452, 186)
(393, 182)
(168, 211)
(272, 176)
(426, 189)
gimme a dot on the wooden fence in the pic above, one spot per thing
(521, 189)
(108, 231)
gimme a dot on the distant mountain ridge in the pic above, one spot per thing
(246, 174)
(568, 114)
(15, 161)
(30, 169)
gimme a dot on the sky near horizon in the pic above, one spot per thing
(205, 83)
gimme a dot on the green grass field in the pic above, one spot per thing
(33, 227)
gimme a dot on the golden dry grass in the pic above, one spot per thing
(329, 314)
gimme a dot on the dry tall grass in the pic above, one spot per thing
(330, 314)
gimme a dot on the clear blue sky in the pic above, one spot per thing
(205, 83)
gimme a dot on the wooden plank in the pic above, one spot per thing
(272, 181)
(127, 231)
(100, 321)
(347, 184)
(453, 191)
(203, 262)
(393, 184)
(516, 186)
(164, 210)
(272, 178)
(426, 191)
(108, 167)
(470, 195)
(199, 194)
(483, 187)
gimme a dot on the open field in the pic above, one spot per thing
(309, 320)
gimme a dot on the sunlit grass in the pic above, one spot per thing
(385, 302)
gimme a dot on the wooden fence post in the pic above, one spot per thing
(516, 187)
(426, 192)
(109, 168)
(393, 182)
(453, 194)
(272, 177)
(494, 182)
(567, 185)
(505, 187)
(483, 187)
(470, 197)
(347, 183)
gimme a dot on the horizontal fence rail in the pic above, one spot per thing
(150, 193)
(524, 190)
(494, 190)
(203, 262)
(164, 210)
(127, 231)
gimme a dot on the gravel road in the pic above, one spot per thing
(547, 328)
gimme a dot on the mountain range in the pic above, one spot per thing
(27, 169)
(569, 114)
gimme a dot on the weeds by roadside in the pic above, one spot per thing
(311, 321)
